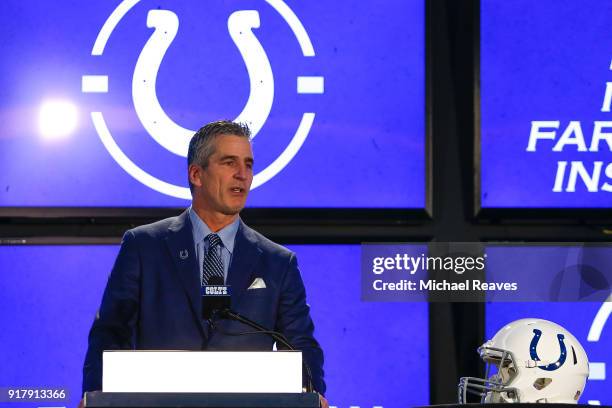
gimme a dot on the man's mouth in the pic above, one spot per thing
(238, 190)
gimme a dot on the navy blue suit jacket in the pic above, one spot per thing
(152, 298)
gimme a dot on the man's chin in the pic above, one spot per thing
(233, 210)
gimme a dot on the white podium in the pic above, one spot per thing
(202, 371)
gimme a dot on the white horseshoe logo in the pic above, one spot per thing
(164, 130)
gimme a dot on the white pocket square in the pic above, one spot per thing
(258, 283)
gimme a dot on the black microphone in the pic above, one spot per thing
(215, 297)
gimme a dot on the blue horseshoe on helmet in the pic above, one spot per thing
(534, 354)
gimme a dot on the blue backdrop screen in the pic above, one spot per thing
(587, 321)
(104, 95)
(49, 296)
(546, 91)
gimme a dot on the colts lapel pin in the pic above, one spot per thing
(183, 254)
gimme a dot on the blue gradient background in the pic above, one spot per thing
(576, 317)
(550, 273)
(541, 60)
(376, 354)
(366, 148)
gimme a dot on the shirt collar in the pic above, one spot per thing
(200, 230)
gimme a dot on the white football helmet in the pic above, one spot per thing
(530, 360)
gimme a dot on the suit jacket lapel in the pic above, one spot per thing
(245, 257)
(183, 253)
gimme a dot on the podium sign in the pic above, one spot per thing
(202, 371)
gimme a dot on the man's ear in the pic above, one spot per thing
(195, 174)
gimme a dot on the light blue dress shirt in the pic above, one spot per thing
(227, 235)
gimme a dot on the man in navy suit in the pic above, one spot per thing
(152, 298)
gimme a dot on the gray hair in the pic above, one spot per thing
(202, 145)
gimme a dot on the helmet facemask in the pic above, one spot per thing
(495, 387)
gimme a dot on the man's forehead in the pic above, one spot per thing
(233, 145)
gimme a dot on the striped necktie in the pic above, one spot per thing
(213, 265)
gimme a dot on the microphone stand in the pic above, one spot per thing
(278, 337)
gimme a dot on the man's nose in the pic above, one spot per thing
(241, 172)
